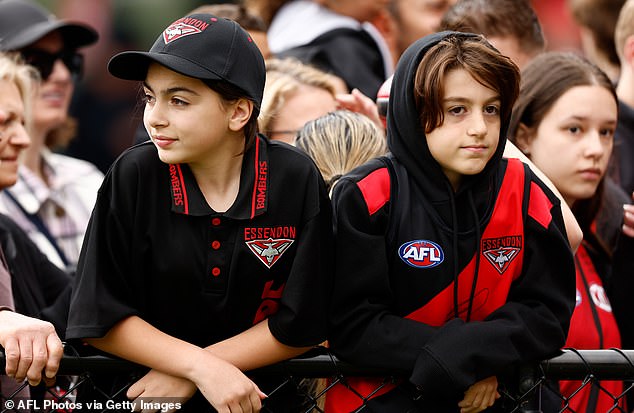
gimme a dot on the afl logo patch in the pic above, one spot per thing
(421, 254)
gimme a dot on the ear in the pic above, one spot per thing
(628, 50)
(523, 138)
(240, 114)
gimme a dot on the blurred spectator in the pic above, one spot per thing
(103, 106)
(266, 9)
(622, 162)
(339, 142)
(335, 36)
(30, 286)
(406, 21)
(510, 25)
(597, 20)
(249, 21)
(294, 93)
(54, 195)
(560, 30)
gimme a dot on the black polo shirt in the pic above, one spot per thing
(154, 248)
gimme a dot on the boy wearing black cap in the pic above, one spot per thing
(208, 250)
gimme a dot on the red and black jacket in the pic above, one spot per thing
(447, 287)
(592, 327)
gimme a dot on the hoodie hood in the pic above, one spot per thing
(465, 212)
(406, 136)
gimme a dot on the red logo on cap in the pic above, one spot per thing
(183, 27)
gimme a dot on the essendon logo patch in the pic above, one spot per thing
(421, 254)
(183, 27)
(270, 250)
(501, 251)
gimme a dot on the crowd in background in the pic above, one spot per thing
(561, 85)
(104, 103)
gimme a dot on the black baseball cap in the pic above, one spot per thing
(23, 22)
(201, 46)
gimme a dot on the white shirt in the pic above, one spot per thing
(64, 207)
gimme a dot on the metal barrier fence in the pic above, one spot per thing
(313, 375)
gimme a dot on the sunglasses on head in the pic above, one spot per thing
(44, 61)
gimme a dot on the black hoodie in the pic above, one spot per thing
(403, 236)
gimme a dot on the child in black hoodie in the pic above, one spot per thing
(452, 263)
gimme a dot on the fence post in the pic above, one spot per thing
(528, 390)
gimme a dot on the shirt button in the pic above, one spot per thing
(215, 245)
(215, 271)
(215, 221)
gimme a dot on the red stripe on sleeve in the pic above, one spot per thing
(375, 189)
(539, 206)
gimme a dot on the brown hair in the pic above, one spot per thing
(229, 94)
(479, 59)
(266, 9)
(600, 17)
(544, 81)
(236, 12)
(503, 18)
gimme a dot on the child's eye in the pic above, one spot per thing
(457, 110)
(575, 130)
(178, 102)
(491, 110)
(148, 99)
(607, 132)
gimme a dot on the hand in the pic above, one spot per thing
(225, 386)
(628, 219)
(157, 387)
(480, 396)
(360, 103)
(30, 346)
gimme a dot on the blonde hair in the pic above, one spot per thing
(340, 141)
(25, 77)
(283, 78)
(624, 27)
